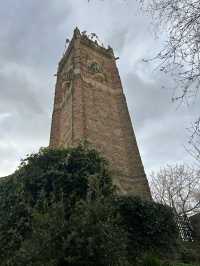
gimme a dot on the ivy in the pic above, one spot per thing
(60, 208)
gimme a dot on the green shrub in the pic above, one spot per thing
(189, 252)
(167, 263)
(150, 226)
(60, 208)
(44, 180)
(150, 260)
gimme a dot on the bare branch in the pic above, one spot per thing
(177, 186)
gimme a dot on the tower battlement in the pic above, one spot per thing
(90, 105)
(85, 40)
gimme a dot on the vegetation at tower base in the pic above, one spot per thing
(150, 226)
(60, 208)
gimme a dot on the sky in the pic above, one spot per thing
(32, 39)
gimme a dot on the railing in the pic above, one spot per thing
(185, 228)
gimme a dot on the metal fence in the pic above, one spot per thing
(185, 228)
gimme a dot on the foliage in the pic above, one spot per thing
(150, 260)
(189, 252)
(178, 264)
(150, 226)
(60, 208)
(90, 237)
(182, 264)
(48, 178)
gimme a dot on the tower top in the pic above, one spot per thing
(91, 40)
(77, 33)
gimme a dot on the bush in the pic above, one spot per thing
(150, 226)
(60, 208)
(150, 260)
(178, 264)
(61, 173)
(56, 210)
(189, 252)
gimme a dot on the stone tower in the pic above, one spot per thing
(90, 105)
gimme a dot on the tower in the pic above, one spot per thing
(89, 104)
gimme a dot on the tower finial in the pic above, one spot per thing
(110, 50)
(77, 33)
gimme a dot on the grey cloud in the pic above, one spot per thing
(116, 41)
(32, 37)
(161, 128)
(148, 99)
(29, 30)
(17, 94)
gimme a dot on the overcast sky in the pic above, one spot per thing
(32, 37)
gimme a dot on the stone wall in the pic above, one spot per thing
(90, 105)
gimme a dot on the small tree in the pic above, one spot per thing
(177, 186)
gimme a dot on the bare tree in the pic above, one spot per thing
(180, 55)
(178, 187)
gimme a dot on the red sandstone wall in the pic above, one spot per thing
(90, 105)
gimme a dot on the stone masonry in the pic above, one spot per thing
(90, 105)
